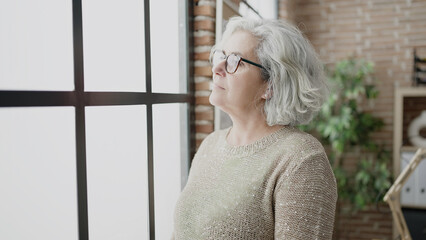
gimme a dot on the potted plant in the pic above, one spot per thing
(344, 126)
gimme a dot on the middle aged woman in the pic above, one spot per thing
(262, 178)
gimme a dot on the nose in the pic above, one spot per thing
(219, 68)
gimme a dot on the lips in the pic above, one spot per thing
(216, 86)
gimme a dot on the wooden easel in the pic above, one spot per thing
(392, 196)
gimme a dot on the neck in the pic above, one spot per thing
(248, 129)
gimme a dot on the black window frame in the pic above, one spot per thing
(79, 99)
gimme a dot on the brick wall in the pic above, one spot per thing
(371, 223)
(204, 38)
(382, 31)
(285, 10)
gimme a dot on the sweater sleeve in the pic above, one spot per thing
(305, 200)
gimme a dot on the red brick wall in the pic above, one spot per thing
(384, 32)
(285, 10)
(368, 224)
(204, 37)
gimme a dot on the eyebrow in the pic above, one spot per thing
(238, 53)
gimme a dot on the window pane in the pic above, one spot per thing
(165, 46)
(38, 174)
(36, 51)
(114, 46)
(117, 172)
(170, 147)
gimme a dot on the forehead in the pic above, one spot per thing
(242, 42)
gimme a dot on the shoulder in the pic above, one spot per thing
(299, 143)
(306, 162)
(302, 153)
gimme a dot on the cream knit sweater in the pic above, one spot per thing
(279, 187)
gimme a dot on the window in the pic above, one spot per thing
(94, 116)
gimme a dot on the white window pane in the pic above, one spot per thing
(168, 148)
(117, 172)
(36, 51)
(114, 46)
(165, 46)
(38, 174)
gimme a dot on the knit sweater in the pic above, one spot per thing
(279, 187)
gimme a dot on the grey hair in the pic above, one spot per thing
(291, 68)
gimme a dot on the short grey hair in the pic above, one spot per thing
(292, 70)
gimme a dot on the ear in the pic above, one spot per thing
(268, 94)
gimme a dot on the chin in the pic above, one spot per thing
(214, 100)
(219, 102)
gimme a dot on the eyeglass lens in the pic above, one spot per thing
(232, 63)
(232, 60)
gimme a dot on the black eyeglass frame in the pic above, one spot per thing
(239, 61)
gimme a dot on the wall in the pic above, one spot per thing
(204, 37)
(382, 31)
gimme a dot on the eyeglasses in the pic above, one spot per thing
(232, 61)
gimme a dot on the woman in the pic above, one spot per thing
(262, 178)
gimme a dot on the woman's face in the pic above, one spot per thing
(241, 91)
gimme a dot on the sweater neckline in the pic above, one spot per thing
(249, 149)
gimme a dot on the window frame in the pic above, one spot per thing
(79, 99)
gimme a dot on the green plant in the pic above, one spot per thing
(343, 125)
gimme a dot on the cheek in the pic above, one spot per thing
(246, 93)
(250, 86)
